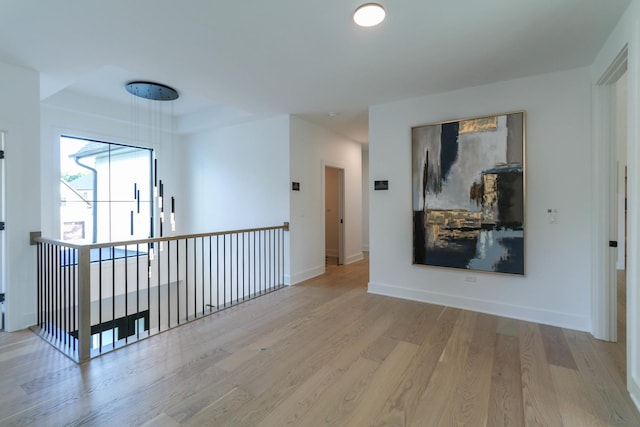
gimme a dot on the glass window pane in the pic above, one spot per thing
(105, 191)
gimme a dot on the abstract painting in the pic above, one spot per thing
(469, 194)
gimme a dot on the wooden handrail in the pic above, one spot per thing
(72, 245)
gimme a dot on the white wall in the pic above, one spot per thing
(365, 198)
(237, 177)
(556, 288)
(312, 148)
(625, 35)
(20, 119)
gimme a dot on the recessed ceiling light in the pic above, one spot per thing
(369, 15)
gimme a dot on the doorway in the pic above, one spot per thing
(620, 222)
(622, 171)
(334, 216)
(609, 166)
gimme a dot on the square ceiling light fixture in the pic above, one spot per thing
(369, 15)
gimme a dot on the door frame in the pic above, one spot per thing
(604, 184)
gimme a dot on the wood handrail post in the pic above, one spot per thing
(84, 304)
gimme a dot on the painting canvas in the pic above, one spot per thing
(469, 194)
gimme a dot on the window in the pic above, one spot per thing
(105, 191)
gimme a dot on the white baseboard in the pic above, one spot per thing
(296, 278)
(634, 391)
(26, 321)
(354, 258)
(563, 320)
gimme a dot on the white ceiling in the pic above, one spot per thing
(254, 58)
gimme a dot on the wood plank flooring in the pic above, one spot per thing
(326, 353)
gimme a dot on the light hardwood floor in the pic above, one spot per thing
(325, 352)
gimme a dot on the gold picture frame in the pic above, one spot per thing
(469, 193)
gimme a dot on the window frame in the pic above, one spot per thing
(95, 201)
